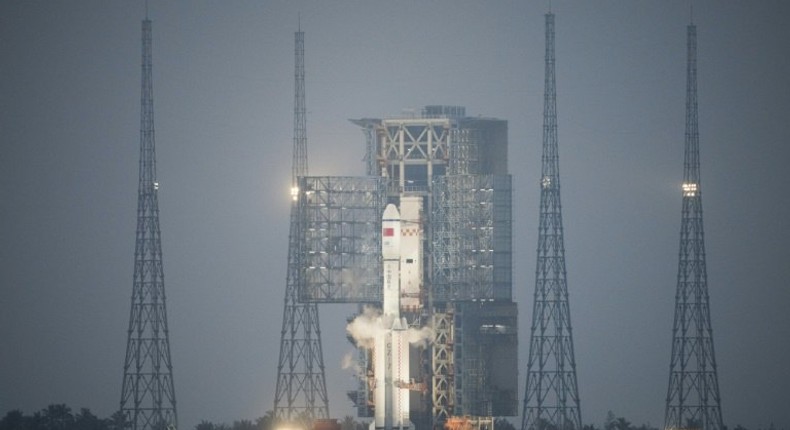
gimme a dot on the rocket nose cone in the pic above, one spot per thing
(391, 212)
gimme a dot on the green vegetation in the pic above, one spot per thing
(61, 417)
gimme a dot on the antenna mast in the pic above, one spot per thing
(148, 399)
(301, 383)
(693, 400)
(551, 400)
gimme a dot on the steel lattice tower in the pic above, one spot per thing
(693, 399)
(301, 383)
(148, 398)
(551, 399)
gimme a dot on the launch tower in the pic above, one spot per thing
(551, 398)
(148, 399)
(693, 400)
(445, 289)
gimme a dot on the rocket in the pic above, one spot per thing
(391, 350)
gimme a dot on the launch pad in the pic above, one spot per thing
(424, 242)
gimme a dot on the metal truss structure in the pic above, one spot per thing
(464, 148)
(148, 399)
(340, 221)
(414, 150)
(300, 396)
(471, 230)
(369, 126)
(693, 400)
(551, 399)
(443, 367)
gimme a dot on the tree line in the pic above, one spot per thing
(61, 417)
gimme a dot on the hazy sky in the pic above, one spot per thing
(223, 96)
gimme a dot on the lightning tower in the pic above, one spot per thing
(551, 400)
(693, 400)
(301, 383)
(148, 398)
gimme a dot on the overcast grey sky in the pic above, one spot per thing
(223, 96)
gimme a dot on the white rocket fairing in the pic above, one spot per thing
(391, 351)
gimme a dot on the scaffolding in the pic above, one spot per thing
(471, 236)
(341, 234)
(443, 375)
(464, 151)
(369, 126)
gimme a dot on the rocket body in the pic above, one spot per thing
(391, 351)
(390, 253)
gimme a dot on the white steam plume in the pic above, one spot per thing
(348, 362)
(366, 327)
(422, 335)
(370, 324)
